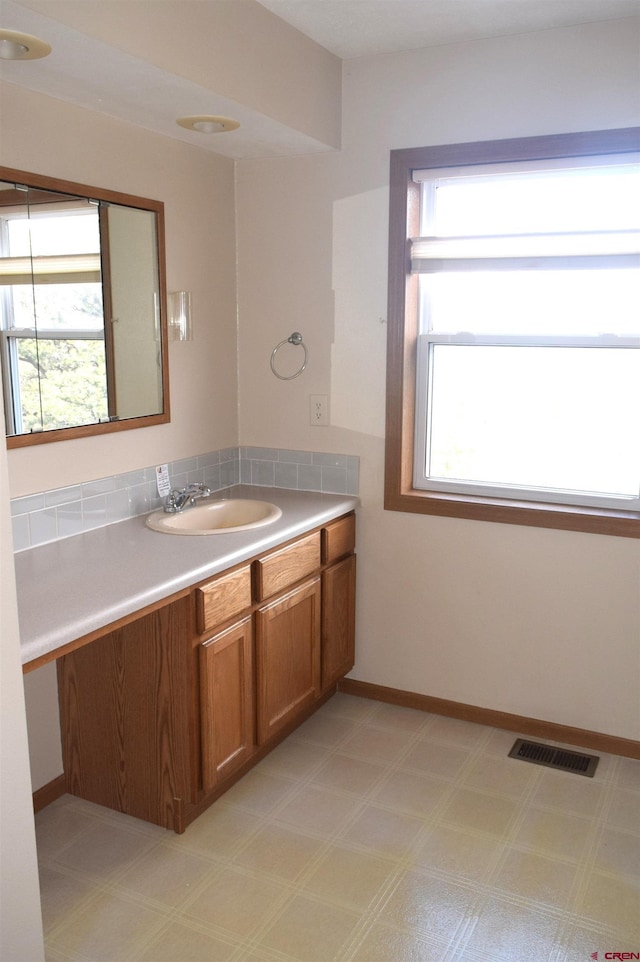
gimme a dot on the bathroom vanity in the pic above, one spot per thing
(165, 707)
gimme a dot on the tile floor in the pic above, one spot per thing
(373, 834)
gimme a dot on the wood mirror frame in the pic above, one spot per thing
(117, 200)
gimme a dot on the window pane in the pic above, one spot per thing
(76, 232)
(69, 307)
(568, 302)
(61, 382)
(542, 417)
(564, 200)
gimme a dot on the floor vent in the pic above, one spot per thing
(552, 757)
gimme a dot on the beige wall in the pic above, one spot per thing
(47, 136)
(524, 620)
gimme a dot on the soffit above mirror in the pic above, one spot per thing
(199, 58)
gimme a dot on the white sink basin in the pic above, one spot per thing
(216, 517)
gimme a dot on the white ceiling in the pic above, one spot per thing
(359, 28)
(91, 74)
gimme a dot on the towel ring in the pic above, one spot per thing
(296, 340)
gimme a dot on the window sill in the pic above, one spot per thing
(624, 524)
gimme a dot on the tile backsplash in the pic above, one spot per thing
(62, 512)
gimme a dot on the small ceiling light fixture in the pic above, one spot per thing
(21, 46)
(208, 123)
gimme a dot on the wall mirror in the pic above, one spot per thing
(83, 329)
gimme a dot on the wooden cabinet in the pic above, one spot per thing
(159, 717)
(125, 709)
(287, 658)
(226, 702)
(338, 620)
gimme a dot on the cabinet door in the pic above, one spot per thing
(226, 702)
(288, 657)
(338, 620)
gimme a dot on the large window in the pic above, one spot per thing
(514, 347)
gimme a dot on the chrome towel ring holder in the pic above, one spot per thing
(296, 340)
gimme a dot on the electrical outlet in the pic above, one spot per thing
(318, 409)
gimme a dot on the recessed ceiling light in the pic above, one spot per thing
(208, 123)
(21, 46)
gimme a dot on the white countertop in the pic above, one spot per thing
(70, 588)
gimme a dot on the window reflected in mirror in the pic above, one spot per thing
(82, 315)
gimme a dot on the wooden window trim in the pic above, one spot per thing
(400, 495)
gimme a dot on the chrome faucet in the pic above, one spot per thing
(178, 498)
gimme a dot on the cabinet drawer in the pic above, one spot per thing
(282, 568)
(224, 598)
(339, 539)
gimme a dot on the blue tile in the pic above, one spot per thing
(263, 472)
(43, 526)
(70, 519)
(334, 480)
(21, 533)
(297, 457)
(62, 495)
(286, 475)
(330, 460)
(309, 477)
(26, 504)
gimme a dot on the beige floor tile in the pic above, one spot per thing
(624, 811)
(179, 942)
(554, 833)
(317, 811)
(508, 932)
(568, 793)
(377, 744)
(220, 831)
(166, 875)
(279, 852)
(294, 759)
(58, 825)
(397, 717)
(537, 877)
(462, 854)
(348, 706)
(454, 731)
(103, 851)
(107, 929)
(385, 944)
(324, 729)
(341, 773)
(259, 792)
(61, 894)
(236, 902)
(618, 853)
(310, 930)
(411, 792)
(385, 833)
(480, 812)
(628, 774)
(502, 776)
(428, 905)
(613, 902)
(351, 879)
(443, 761)
(500, 742)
